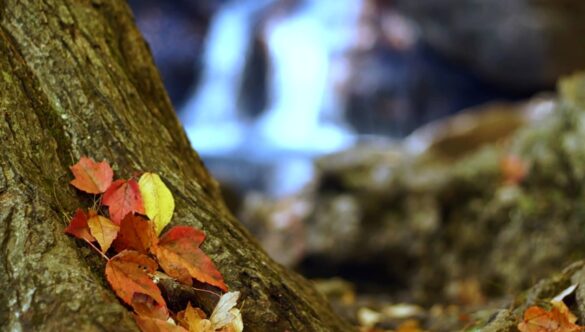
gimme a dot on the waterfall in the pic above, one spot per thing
(303, 117)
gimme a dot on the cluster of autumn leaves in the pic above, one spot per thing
(138, 212)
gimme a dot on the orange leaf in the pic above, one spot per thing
(193, 319)
(127, 273)
(180, 257)
(92, 177)
(103, 229)
(78, 226)
(123, 197)
(147, 324)
(513, 169)
(136, 233)
(225, 317)
(537, 319)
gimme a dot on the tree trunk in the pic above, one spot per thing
(78, 79)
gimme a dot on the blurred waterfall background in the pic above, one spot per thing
(265, 86)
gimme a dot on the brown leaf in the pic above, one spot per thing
(92, 177)
(78, 226)
(136, 233)
(103, 229)
(146, 306)
(123, 197)
(127, 273)
(537, 319)
(180, 257)
(147, 324)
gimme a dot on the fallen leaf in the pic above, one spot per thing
(127, 273)
(147, 324)
(136, 233)
(104, 230)
(194, 319)
(78, 226)
(181, 234)
(179, 256)
(564, 310)
(225, 317)
(410, 325)
(158, 200)
(514, 169)
(121, 198)
(537, 319)
(92, 177)
(146, 306)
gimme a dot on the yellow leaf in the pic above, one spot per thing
(158, 200)
(103, 230)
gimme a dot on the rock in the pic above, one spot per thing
(503, 321)
(524, 44)
(430, 224)
(465, 132)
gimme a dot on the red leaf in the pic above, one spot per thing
(537, 319)
(92, 177)
(127, 273)
(147, 324)
(78, 226)
(103, 229)
(136, 233)
(123, 197)
(180, 257)
(184, 233)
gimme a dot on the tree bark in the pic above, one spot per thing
(78, 79)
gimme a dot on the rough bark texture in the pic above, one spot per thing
(78, 79)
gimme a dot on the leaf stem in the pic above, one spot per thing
(206, 291)
(162, 275)
(99, 251)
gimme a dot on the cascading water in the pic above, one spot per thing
(303, 40)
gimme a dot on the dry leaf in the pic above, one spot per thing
(513, 169)
(123, 197)
(136, 233)
(409, 325)
(158, 200)
(103, 229)
(92, 177)
(147, 324)
(194, 319)
(78, 226)
(146, 306)
(225, 312)
(225, 317)
(180, 257)
(537, 319)
(128, 272)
